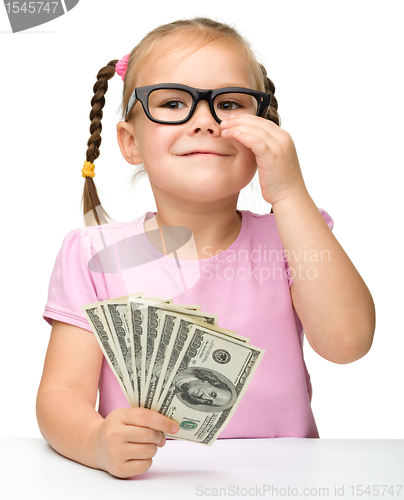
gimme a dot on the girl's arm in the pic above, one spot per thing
(330, 297)
(124, 442)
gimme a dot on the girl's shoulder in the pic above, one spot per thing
(117, 228)
(91, 239)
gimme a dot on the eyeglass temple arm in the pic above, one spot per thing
(131, 103)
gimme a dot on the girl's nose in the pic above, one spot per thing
(202, 120)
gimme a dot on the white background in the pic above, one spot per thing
(338, 72)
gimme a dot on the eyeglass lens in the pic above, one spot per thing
(172, 105)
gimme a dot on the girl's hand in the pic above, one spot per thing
(278, 166)
(128, 438)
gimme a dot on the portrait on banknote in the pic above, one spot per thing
(204, 389)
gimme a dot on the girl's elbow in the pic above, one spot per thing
(358, 336)
(342, 344)
(354, 354)
(355, 345)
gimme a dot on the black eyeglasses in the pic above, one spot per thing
(173, 103)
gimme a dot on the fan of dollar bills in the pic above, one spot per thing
(174, 359)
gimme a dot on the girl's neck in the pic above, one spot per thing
(213, 231)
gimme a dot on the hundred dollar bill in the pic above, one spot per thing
(203, 318)
(207, 384)
(161, 325)
(137, 322)
(189, 311)
(165, 331)
(153, 319)
(146, 331)
(101, 331)
(137, 313)
(117, 299)
(139, 329)
(182, 328)
(115, 312)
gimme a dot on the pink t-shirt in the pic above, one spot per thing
(247, 286)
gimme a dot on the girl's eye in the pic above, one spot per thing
(173, 104)
(228, 105)
(213, 394)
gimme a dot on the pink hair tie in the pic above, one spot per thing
(122, 65)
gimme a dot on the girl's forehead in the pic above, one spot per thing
(209, 66)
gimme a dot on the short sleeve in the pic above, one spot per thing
(330, 224)
(71, 284)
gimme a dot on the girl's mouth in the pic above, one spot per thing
(201, 153)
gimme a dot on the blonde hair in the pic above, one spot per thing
(201, 31)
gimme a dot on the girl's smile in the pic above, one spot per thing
(206, 154)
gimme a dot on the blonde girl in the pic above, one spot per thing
(199, 113)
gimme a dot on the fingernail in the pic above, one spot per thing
(224, 122)
(174, 429)
(232, 116)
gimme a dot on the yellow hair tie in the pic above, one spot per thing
(88, 169)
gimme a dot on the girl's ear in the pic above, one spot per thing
(127, 143)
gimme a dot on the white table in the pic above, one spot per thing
(243, 468)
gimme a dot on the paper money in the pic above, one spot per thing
(115, 313)
(94, 318)
(207, 383)
(176, 360)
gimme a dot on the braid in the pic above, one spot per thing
(94, 213)
(272, 112)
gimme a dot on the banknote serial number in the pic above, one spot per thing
(31, 7)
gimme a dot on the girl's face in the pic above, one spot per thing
(196, 178)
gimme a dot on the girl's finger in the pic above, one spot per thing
(144, 417)
(135, 434)
(257, 121)
(139, 451)
(249, 129)
(258, 146)
(131, 468)
(260, 134)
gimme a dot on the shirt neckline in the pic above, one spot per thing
(210, 261)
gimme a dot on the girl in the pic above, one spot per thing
(199, 113)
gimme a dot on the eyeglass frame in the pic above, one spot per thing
(142, 94)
